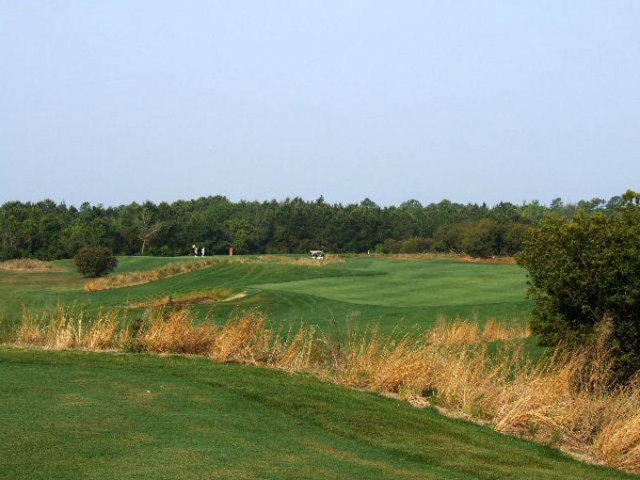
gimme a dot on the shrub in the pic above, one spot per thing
(513, 235)
(480, 238)
(409, 245)
(447, 237)
(585, 279)
(95, 261)
(477, 238)
(416, 245)
(391, 246)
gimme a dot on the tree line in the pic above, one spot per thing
(49, 230)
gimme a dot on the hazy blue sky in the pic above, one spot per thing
(115, 101)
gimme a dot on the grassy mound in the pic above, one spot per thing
(29, 265)
(80, 415)
(478, 373)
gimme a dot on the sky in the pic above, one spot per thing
(473, 101)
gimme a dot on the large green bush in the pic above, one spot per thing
(95, 261)
(410, 245)
(585, 273)
(481, 238)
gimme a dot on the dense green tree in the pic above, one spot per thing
(95, 261)
(585, 274)
(512, 237)
(480, 238)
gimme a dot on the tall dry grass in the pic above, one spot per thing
(481, 373)
(463, 332)
(65, 328)
(173, 331)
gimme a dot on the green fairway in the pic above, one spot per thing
(74, 415)
(364, 290)
(413, 283)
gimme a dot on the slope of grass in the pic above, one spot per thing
(39, 290)
(77, 415)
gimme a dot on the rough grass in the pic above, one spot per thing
(29, 265)
(565, 399)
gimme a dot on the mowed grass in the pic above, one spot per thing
(412, 283)
(364, 291)
(80, 415)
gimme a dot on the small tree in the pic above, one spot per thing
(585, 273)
(95, 261)
(147, 230)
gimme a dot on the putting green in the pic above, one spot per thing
(412, 283)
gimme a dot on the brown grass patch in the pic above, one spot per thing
(64, 328)
(566, 399)
(449, 256)
(192, 298)
(176, 268)
(490, 260)
(138, 278)
(302, 261)
(172, 331)
(468, 332)
(29, 265)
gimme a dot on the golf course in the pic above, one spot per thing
(81, 414)
(361, 290)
